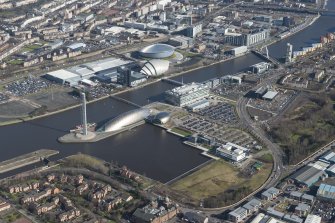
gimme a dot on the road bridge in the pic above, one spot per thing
(125, 101)
(171, 81)
(268, 58)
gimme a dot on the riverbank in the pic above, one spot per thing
(26, 159)
(292, 33)
(153, 81)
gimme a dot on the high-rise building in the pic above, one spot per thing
(289, 53)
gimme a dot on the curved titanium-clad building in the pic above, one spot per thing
(125, 120)
(162, 117)
(157, 51)
(155, 67)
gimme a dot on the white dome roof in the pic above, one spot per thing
(155, 67)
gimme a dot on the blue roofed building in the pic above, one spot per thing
(326, 192)
(329, 157)
(310, 174)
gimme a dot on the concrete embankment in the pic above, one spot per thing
(26, 159)
(95, 136)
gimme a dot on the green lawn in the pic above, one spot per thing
(267, 158)
(15, 62)
(181, 131)
(216, 178)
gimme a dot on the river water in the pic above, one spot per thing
(147, 149)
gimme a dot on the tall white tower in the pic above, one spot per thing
(289, 53)
(83, 114)
(267, 52)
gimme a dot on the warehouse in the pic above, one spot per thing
(101, 70)
(329, 157)
(270, 95)
(270, 193)
(313, 219)
(309, 175)
(326, 192)
(331, 171)
(63, 77)
(238, 214)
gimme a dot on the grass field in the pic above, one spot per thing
(181, 131)
(267, 158)
(216, 178)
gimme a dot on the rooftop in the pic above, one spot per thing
(313, 219)
(308, 175)
(329, 157)
(270, 95)
(271, 192)
(295, 194)
(188, 88)
(63, 74)
(238, 212)
(293, 218)
(273, 212)
(252, 204)
(326, 191)
(105, 64)
(302, 207)
(331, 169)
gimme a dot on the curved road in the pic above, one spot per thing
(259, 133)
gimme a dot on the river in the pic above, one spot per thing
(147, 149)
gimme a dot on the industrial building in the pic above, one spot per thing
(187, 95)
(313, 219)
(193, 217)
(331, 170)
(274, 213)
(239, 50)
(302, 209)
(72, 76)
(326, 192)
(238, 215)
(309, 175)
(288, 218)
(262, 218)
(270, 193)
(260, 68)
(328, 157)
(125, 120)
(309, 199)
(291, 218)
(64, 77)
(232, 152)
(252, 205)
(181, 42)
(157, 51)
(270, 95)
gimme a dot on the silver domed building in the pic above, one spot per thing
(157, 51)
(162, 117)
(125, 120)
(155, 67)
